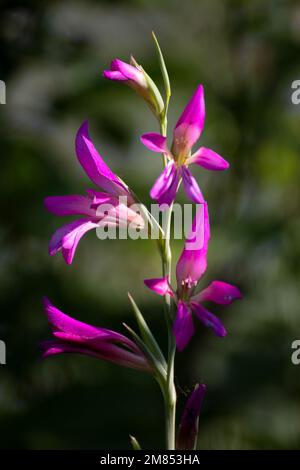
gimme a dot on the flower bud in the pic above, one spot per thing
(134, 75)
(188, 428)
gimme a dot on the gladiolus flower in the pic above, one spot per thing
(73, 336)
(188, 428)
(135, 76)
(187, 131)
(115, 201)
(190, 268)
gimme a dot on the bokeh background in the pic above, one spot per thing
(246, 53)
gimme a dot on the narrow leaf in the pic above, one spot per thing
(163, 69)
(134, 443)
(156, 364)
(146, 333)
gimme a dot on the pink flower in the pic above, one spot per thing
(186, 133)
(107, 208)
(135, 76)
(188, 428)
(190, 268)
(73, 336)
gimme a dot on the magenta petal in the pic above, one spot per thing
(169, 195)
(188, 428)
(55, 244)
(220, 293)
(54, 347)
(165, 187)
(114, 75)
(191, 121)
(160, 286)
(94, 165)
(98, 198)
(67, 237)
(121, 71)
(71, 240)
(191, 186)
(163, 181)
(106, 341)
(190, 268)
(129, 71)
(108, 352)
(209, 159)
(192, 262)
(74, 336)
(208, 319)
(69, 205)
(51, 348)
(61, 322)
(155, 142)
(199, 234)
(183, 327)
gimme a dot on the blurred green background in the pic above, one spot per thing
(246, 53)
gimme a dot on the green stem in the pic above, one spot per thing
(170, 391)
(170, 400)
(163, 130)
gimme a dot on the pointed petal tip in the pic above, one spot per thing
(190, 123)
(43, 348)
(189, 424)
(84, 128)
(46, 302)
(200, 386)
(209, 319)
(160, 286)
(209, 159)
(222, 332)
(68, 254)
(219, 292)
(68, 259)
(46, 202)
(93, 164)
(114, 63)
(82, 132)
(154, 141)
(197, 395)
(200, 88)
(49, 309)
(180, 345)
(51, 251)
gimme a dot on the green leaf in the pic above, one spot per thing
(164, 71)
(146, 334)
(134, 443)
(158, 367)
